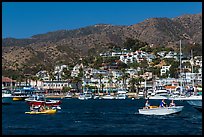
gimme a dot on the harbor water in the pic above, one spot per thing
(100, 117)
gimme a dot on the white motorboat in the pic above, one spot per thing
(85, 96)
(159, 93)
(108, 97)
(161, 110)
(159, 97)
(95, 97)
(69, 95)
(195, 101)
(7, 97)
(120, 96)
(141, 94)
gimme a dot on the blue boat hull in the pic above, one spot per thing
(7, 100)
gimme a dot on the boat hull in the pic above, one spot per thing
(161, 111)
(19, 98)
(50, 111)
(108, 97)
(196, 104)
(157, 97)
(46, 103)
(7, 100)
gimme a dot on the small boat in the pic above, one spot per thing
(69, 95)
(49, 111)
(195, 101)
(120, 96)
(7, 97)
(95, 97)
(159, 97)
(161, 110)
(108, 97)
(85, 96)
(38, 100)
(20, 94)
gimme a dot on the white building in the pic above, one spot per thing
(164, 69)
(136, 56)
(76, 70)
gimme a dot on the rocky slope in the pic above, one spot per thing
(67, 46)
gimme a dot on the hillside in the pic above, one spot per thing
(67, 46)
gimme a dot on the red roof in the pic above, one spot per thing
(6, 79)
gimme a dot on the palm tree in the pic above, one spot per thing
(141, 79)
(35, 78)
(100, 76)
(124, 78)
(77, 80)
(137, 82)
(110, 81)
(133, 82)
(66, 74)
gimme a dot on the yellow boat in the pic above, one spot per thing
(49, 111)
(19, 98)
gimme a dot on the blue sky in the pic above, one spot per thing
(25, 19)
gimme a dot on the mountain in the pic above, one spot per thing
(67, 46)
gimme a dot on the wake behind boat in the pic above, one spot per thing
(161, 110)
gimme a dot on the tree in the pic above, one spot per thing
(100, 76)
(133, 82)
(124, 77)
(77, 80)
(66, 74)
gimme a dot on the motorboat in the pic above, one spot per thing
(193, 100)
(85, 96)
(69, 95)
(108, 97)
(96, 97)
(20, 94)
(7, 97)
(48, 111)
(159, 97)
(159, 93)
(161, 110)
(35, 98)
(120, 96)
(46, 103)
(38, 100)
(141, 94)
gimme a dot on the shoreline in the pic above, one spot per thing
(129, 95)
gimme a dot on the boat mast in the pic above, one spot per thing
(180, 66)
(192, 67)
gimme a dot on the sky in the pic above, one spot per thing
(25, 19)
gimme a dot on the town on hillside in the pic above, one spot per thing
(137, 72)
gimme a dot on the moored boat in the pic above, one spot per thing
(6, 96)
(108, 97)
(161, 110)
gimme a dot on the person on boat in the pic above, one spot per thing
(172, 104)
(32, 107)
(195, 90)
(42, 108)
(147, 105)
(163, 103)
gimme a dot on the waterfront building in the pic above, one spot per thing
(8, 82)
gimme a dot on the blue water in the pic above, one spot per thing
(100, 117)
